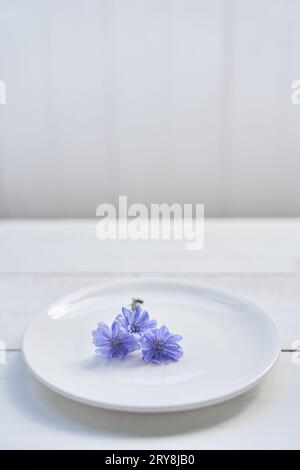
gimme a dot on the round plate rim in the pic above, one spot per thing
(164, 408)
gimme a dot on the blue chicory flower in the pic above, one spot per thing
(135, 321)
(160, 346)
(114, 342)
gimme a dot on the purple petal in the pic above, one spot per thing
(104, 329)
(115, 328)
(144, 317)
(147, 355)
(149, 335)
(151, 324)
(173, 338)
(163, 332)
(173, 354)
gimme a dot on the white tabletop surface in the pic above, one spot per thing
(43, 260)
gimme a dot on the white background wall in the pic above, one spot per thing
(162, 100)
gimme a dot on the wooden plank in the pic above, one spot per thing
(34, 417)
(231, 246)
(38, 266)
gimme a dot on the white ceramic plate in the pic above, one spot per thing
(229, 345)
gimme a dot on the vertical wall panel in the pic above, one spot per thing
(165, 101)
(169, 82)
(28, 163)
(83, 103)
(56, 153)
(265, 166)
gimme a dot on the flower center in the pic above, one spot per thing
(134, 328)
(158, 345)
(115, 342)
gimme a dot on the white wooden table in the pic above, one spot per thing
(41, 261)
